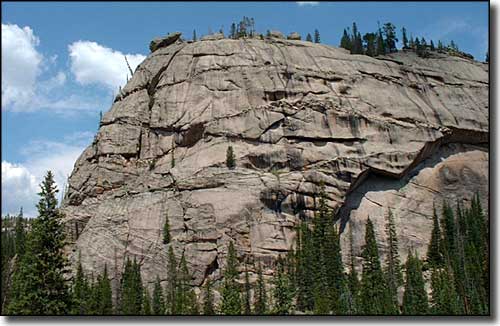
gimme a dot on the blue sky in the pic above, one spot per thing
(62, 62)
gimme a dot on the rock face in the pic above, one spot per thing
(164, 41)
(294, 36)
(395, 132)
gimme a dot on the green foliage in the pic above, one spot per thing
(260, 306)
(374, 295)
(317, 38)
(146, 308)
(354, 305)
(158, 302)
(80, 292)
(171, 290)
(444, 299)
(208, 299)
(370, 41)
(405, 38)
(282, 291)
(166, 231)
(132, 289)
(247, 305)
(231, 301)
(39, 287)
(435, 249)
(415, 297)
(186, 299)
(309, 37)
(390, 37)
(393, 273)
(345, 41)
(194, 36)
(230, 160)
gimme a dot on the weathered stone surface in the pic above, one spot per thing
(396, 131)
(294, 36)
(213, 37)
(276, 34)
(164, 41)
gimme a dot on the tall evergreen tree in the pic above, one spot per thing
(393, 272)
(208, 299)
(146, 307)
(282, 293)
(158, 302)
(166, 231)
(106, 294)
(356, 41)
(247, 308)
(317, 38)
(390, 37)
(381, 49)
(444, 298)
(194, 36)
(186, 298)
(20, 233)
(231, 300)
(353, 281)
(345, 41)
(230, 160)
(435, 250)
(131, 290)
(309, 37)
(336, 282)
(39, 287)
(79, 292)
(260, 306)
(370, 41)
(374, 295)
(171, 296)
(415, 297)
(405, 38)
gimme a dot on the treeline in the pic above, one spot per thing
(311, 279)
(384, 41)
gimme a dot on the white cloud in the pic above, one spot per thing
(92, 63)
(307, 3)
(21, 64)
(20, 181)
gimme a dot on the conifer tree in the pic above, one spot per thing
(131, 290)
(336, 282)
(146, 308)
(282, 293)
(444, 298)
(208, 299)
(393, 272)
(247, 309)
(390, 37)
(435, 251)
(186, 299)
(405, 38)
(316, 36)
(171, 297)
(231, 300)
(166, 231)
(415, 297)
(80, 292)
(370, 40)
(20, 235)
(353, 281)
(345, 41)
(260, 306)
(194, 36)
(374, 295)
(39, 287)
(380, 43)
(433, 48)
(106, 294)
(449, 232)
(158, 304)
(309, 37)
(230, 160)
(305, 262)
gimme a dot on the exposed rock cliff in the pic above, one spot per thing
(396, 131)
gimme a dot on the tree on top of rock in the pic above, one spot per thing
(317, 38)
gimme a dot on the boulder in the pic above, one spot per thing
(213, 37)
(276, 34)
(162, 42)
(294, 36)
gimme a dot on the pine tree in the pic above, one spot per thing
(146, 308)
(282, 293)
(380, 43)
(435, 250)
(20, 235)
(230, 160)
(415, 297)
(79, 292)
(208, 299)
(132, 290)
(390, 37)
(232, 32)
(260, 306)
(305, 275)
(171, 297)
(247, 308)
(186, 299)
(106, 299)
(354, 306)
(316, 36)
(444, 298)
(374, 295)
(345, 41)
(433, 48)
(449, 232)
(231, 301)
(309, 37)
(356, 41)
(39, 287)
(370, 39)
(166, 231)
(336, 282)
(158, 304)
(194, 36)
(393, 272)
(405, 38)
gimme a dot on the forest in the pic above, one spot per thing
(451, 279)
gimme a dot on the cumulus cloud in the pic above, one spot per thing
(20, 182)
(92, 63)
(307, 3)
(21, 64)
